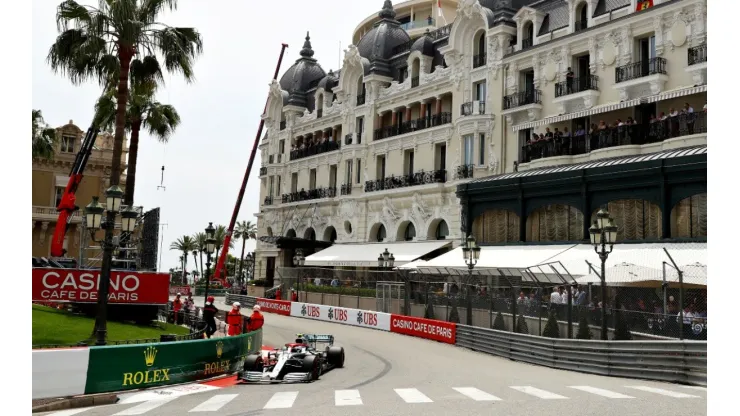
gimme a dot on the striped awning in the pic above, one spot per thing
(604, 108)
(678, 92)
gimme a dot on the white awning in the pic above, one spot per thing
(496, 256)
(366, 255)
(61, 181)
(604, 108)
(413, 264)
(626, 274)
(678, 92)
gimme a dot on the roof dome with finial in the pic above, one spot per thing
(328, 82)
(302, 76)
(377, 45)
(424, 44)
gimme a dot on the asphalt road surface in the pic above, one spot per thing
(394, 375)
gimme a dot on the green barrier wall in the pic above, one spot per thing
(127, 367)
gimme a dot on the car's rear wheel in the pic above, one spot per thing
(335, 356)
(312, 365)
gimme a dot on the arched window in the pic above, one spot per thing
(528, 35)
(442, 231)
(360, 91)
(581, 17)
(410, 232)
(479, 49)
(319, 104)
(415, 69)
(380, 236)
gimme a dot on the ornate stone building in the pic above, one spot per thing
(374, 151)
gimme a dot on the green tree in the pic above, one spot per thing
(499, 323)
(521, 325)
(244, 230)
(107, 41)
(184, 244)
(200, 244)
(552, 329)
(43, 137)
(584, 331)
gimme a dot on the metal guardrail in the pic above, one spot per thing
(244, 300)
(670, 361)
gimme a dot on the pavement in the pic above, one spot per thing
(394, 375)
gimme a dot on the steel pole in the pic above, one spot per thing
(208, 278)
(602, 256)
(469, 301)
(101, 319)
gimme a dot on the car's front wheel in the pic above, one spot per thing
(312, 365)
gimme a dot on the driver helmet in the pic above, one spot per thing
(237, 305)
(256, 308)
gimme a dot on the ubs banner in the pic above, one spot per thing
(128, 367)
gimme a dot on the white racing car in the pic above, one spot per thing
(299, 361)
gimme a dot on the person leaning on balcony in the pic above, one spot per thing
(569, 76)
(688, 110)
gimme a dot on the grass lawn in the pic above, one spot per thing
(52, 326)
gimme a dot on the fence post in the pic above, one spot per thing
(490, 309)
(513, 309)
(407, 297)
(570, 311)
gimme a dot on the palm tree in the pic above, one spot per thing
(104, 42)
(43, 137)
(195, 255)
(200, 243)
(219, 235)
(244, 230)
(185, 244)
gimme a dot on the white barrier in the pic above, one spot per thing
(59, 373)
(347, 316)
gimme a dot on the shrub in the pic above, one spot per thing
(499, 323)
(621, 328)
(429, 311)
(521, 325)
(552, 329)
(584, 331)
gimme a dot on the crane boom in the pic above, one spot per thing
(67, 205)
(227, 239)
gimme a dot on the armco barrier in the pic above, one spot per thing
(59, 373)
(671, 361)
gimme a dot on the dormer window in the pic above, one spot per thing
(68, 144)
(319, 104)
(479, 49)
(528, 32)
(581, 21)
(360, 91)
(415, 69)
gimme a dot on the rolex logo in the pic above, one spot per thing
(219, 349)
(150, 353)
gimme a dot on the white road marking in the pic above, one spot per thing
(144, 407)
(700, 388)
(214, 403)
(70, 412)
(347, 398)
(282, 400)
(476, 394)
(601, 392)
(542, 394)
(412, 396)
(668, 393)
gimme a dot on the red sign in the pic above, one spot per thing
(424, 328)
(643, 5)
(183, 290)
(81, 286)
(280, 307)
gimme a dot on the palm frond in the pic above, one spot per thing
(161, 120)
(180, 46)
(43, 137)
(149, 10)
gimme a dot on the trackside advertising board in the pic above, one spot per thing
(279, 307)
(424, 328)
(81, 286)
(347, 316)
(127, 367)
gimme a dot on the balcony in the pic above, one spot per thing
(579, 92)
(361, 99)
(353, 138)
(580, 25)
(473, 108)
(655, 133)
(263, 171)
(268, 200)
(632, 79)
(697, 60)
(527, 43)
(346, 189)
(404, 181)
(313, 150)
(282, 125)
(418, 24)
(309, 195)
(413, 125)
(479, 60)
(528, 101)
(414, 81)
(464, 172)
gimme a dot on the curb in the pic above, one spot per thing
(77, 402)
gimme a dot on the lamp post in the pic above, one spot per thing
(94, 221)
(386, 260)
(299, 261)
(250, 263)
(210, 248)
(603, 232)
(471, 254)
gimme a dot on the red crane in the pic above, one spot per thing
(227, 240)
(67, 205)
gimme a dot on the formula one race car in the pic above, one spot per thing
(299, 361)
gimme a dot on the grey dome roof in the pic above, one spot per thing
(377, 45)
(302, 76)
(501, 12)
(328, 82)
(424, 44)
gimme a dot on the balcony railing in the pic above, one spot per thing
(527, 43)
(413, 125)
(313, 150)
(263, 171)
(417, 24)
(361, 99)
(640, 69)
(464, 172)
(279, 158)
(268, 200)
(404, 181)
(581, 25)
(681, 125)
(473, 108)
(479, 60)
(271, 159)
(346, 189)
(436, 35)
(304, 195)
(576, 85)
(282, 125)
(319, 112)
(697, 54)
(414, 82)
(522, 98)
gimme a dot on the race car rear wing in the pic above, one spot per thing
(313, 338)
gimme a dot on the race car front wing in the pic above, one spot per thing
(259, 377)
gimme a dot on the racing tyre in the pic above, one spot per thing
(335, 356)
(254, 362)
(312, 364)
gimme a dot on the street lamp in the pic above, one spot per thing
(603, 232)
(94, 221)
(249, 270)
(210, 248)
(386, 260)
(471, 254)
(298, 259)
